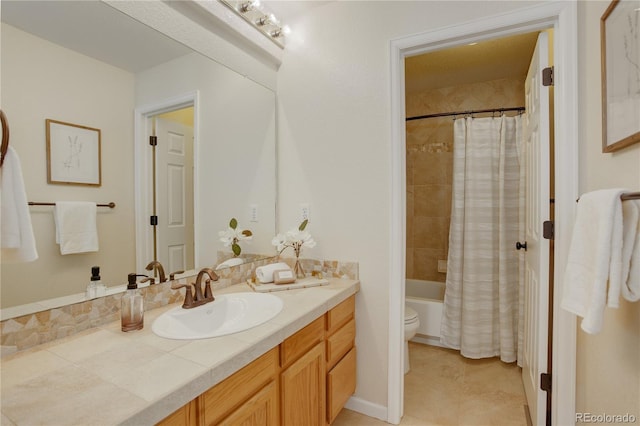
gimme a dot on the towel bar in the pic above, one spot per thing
(111, 205)
(626, 196)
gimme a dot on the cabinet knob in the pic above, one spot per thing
(520, 246)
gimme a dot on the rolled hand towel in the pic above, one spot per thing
(265, 273)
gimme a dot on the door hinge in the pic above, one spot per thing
(548, 230)
(153, 220)
(547, 76)
(153, 140)
(545, 382)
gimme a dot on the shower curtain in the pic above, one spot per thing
(482, 309)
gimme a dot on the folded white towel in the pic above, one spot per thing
(18, 243)
(265, 273)
(76, 229)
(597, 232)
(621, 257)
(631, 251)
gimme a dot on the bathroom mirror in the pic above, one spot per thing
(87, 64)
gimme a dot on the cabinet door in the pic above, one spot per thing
(341, 384)
(260, 410)
(303, 390)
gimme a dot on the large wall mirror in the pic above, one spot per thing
(87, 64)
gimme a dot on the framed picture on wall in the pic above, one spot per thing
(620, 52)
(73, 154)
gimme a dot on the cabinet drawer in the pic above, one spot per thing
(341, 314)
(340, 342)
(341, 384)
(228, 395)
(298, 344)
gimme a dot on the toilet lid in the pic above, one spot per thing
(409, 314)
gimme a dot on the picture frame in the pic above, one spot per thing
(620, 56)
(73, 154)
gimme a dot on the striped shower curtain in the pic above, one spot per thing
(482, 310)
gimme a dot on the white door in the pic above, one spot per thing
(537, 204)
(175, 195)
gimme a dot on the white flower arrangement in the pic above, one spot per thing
(295, 237)
(232, 236)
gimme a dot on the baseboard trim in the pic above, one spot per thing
(428, 340)
(367, 408)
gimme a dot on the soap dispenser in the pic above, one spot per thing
(91, 292)
(132, 311)
(96, 287)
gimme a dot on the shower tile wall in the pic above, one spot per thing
(430, 165)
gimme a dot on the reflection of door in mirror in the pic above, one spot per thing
(174, 241)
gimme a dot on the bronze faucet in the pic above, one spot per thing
(157, 266)
(192, 300)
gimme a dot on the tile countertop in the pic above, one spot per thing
(104, 376)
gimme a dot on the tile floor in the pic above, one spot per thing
(443, 388)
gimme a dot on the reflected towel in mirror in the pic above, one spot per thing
(76, 229)
(18, 242)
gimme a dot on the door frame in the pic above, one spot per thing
(143, 169)
(562, 17)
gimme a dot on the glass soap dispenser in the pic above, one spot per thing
(132, 311)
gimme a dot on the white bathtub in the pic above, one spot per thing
(426, 298)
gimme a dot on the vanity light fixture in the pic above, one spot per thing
(262, 20)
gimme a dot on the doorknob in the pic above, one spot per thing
(520, 245)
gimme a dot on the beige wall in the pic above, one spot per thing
(42, 80)
(608, 364)
(334, 147)
(430, 165)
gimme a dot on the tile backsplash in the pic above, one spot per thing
(23, 332)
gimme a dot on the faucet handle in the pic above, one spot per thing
(144, 280)
(172, 275)
(188, 294)
(208, 293)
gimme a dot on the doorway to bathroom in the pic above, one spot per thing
(464, 215)
(166, 149)
(561, 17)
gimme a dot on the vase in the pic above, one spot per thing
(298, 270)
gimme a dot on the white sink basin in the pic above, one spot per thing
(227, 314)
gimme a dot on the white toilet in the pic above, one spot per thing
(411, 324)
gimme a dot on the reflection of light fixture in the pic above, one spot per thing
(278, 32)
(265, 22)
(249, 6)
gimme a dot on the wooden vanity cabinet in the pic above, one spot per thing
(306, 380)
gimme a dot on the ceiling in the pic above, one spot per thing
(97, 30)
(94, 29)
(488, 60)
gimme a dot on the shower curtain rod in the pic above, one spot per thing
(477, 111)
